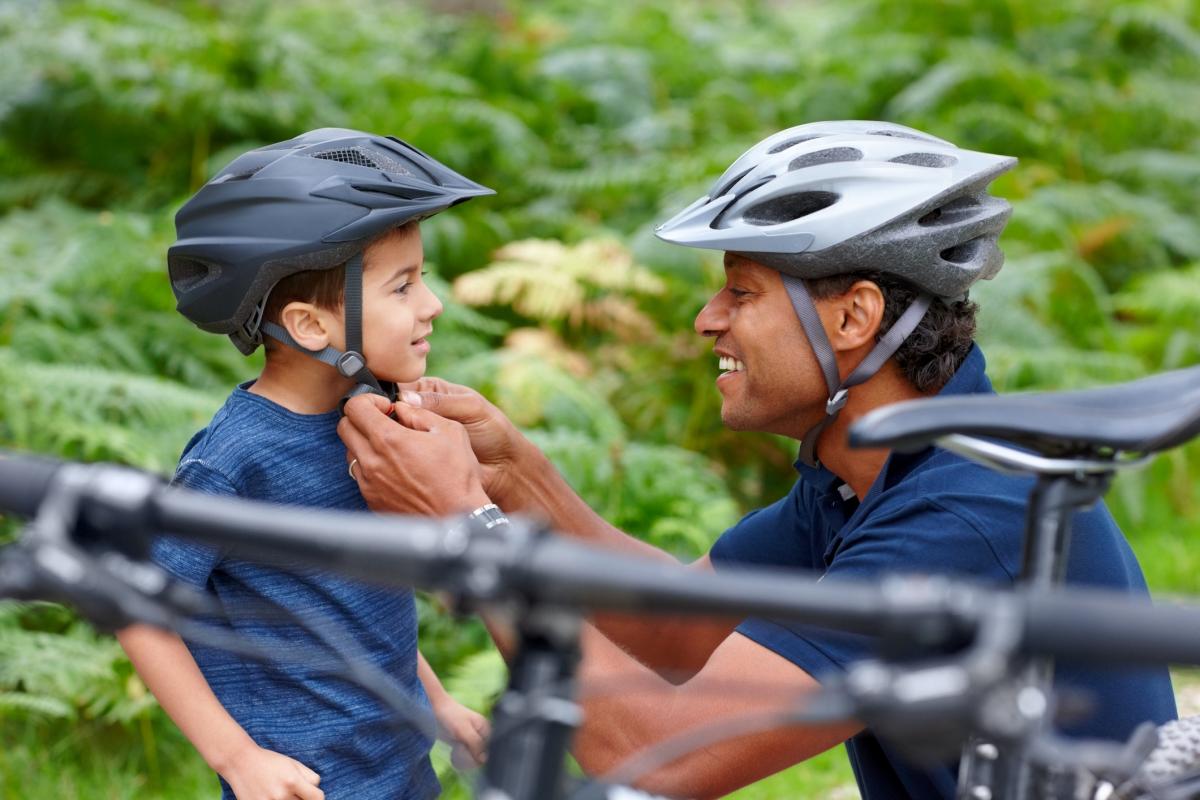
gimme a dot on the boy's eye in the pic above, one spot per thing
(404, 287)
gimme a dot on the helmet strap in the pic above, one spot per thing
(351, 363)
(838, 389)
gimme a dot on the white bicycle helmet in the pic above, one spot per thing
(830, 198)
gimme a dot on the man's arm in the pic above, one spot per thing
(400, 470)
(166, 666)
(743, 685)
(677, 647)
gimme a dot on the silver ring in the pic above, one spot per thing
(350, 469)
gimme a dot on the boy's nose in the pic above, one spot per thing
(433, 306)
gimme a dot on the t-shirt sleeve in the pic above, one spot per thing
(917, 538)
(188, 561)
(767, 536)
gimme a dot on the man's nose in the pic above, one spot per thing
(713, 318)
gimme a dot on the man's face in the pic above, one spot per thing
(398, 307)
(770, 380)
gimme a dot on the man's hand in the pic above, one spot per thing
(256, 773)
(495, 440)
(422, 464)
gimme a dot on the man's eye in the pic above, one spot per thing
(739, 293)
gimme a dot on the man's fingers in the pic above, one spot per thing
(433, 385)
(462, 408)
(419, 419)
(368, 413)
(358, 446)
(377, 400)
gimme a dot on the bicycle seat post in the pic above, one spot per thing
(1052, 503)
(1063, 486)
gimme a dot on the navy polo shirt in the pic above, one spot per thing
(933, 512)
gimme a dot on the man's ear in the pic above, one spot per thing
(859, 315)
(312, 327)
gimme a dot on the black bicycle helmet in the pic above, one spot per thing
(312, 202)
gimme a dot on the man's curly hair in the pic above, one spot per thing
(934, 351)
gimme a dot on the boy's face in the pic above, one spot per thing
(398, 307)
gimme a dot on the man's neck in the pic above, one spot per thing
(300, 383)
(860, 467)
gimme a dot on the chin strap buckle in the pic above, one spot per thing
(835, 404)
(350, 363)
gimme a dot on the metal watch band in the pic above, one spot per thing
(490, 515)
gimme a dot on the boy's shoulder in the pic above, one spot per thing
(228, 442)
(256, 449)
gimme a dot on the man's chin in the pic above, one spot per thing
(734, 418)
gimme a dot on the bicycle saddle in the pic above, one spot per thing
(1142, 416)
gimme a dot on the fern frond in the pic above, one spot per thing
(549, 281)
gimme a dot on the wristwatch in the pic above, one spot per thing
(490, 515)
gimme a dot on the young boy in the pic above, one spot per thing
(313, 243)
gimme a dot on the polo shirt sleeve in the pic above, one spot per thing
(769, 536)
(918, 537)
(185, 560)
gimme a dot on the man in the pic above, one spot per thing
(849, 251)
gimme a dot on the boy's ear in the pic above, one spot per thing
(312, 327)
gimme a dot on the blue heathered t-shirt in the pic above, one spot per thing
(256, 449)
(933, 512)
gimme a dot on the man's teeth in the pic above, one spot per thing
(728, 364)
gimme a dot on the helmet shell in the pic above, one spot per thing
(833, 197)
(308, 203)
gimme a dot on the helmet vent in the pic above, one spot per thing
(933, 160)
(784, 145)
(953, 212)
(364, 158)
(790, 207)
(961, 253)
(238, 176)
(902, 135)
(187, 273)
(720, 192)
(830, 156)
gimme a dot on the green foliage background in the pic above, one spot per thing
(595, 120)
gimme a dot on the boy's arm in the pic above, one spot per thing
(254, 773)
(466, 730)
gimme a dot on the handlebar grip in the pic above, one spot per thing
(24, 480)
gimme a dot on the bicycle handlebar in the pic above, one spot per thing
(553, 570)
(24, 481)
